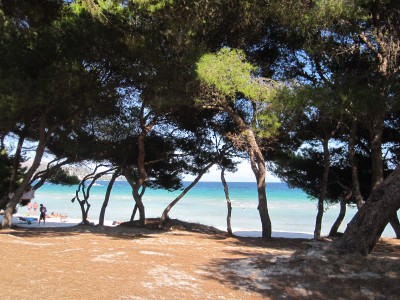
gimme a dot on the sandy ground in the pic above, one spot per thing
(186, 261)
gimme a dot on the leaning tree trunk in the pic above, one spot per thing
(164, 215)
(228, 202)
(384, 43)
(376, 131)
(107, 197)
(12, 204)
(394, 222)
(342, 212)
(339, 219)
(324, 188)
(14, 171)
(258, 167)
(367, 225)
(134, 211)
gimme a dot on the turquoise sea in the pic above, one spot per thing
(291, 211)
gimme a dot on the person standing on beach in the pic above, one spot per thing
(29, 208)
(42, 216)
(35, 207)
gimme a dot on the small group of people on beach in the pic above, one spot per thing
(28, 195)
(62, 217)
(43, 213)
(35, 208)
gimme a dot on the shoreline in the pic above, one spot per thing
(57, 222)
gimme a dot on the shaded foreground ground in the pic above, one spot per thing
(186, 262)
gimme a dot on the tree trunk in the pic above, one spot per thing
(138, 199)
(342, 212)
(262, 202)
(164, 215)
(375, 136)
(133, 213)
(107, 196)
(354, 166)
(258, 166)
(84, 211)
(394, 222)
(324, 187)
(376, 131)
(142, 178)
(339, 219)
(12, 204)
(86, 192)
(17, 160)
(228, 202)
(141, 181)
(367, 225)
(142, 216)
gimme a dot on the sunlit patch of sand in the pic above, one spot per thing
(167, 276)
(154, 253)
(110, 257)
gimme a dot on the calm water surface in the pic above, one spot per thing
(290, 209)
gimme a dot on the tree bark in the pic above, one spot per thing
(82, 203)
(339, 219)
(107, 196)
(137, 197)
(354, 166)
(146, 127)
(164, 215)
(134, 211)
(375, 136)
(142, 177)
(324, 188)
(342, 213)
(228, 203)
(367, 225)
(84, 211)
(394, 222)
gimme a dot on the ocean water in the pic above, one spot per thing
(291, 211)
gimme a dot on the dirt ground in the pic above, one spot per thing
(186, 261)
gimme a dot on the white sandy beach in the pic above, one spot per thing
(184, 261)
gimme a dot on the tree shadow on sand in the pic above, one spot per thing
(306, 270)
(279, 268)
(125, 230)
